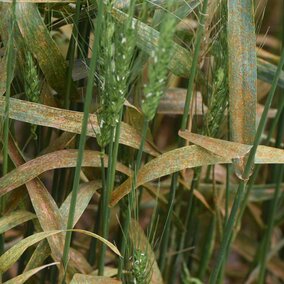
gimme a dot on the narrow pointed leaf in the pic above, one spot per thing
(233, 150)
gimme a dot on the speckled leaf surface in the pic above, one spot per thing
(89, 279)
(37, 38)
(22, 278)
(167, 163)
(67, 120)
(242, 74)
(48, 214)
(12, 255)
(242, 70)
(190, 157)
(56, 160)
(14, 219)
(219, 147)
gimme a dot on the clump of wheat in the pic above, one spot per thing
(117, 51)
(160, 59)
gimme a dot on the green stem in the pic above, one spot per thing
(71, 54)
(111, 176)
(10, 71)
(82, 141)
(104, 206)
(273, 205)
(271, 218)
(93, 247)
(225, 243)
(193, 70)
(130, 204)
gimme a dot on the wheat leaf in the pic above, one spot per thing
(67, 120)
(22, 278)
(14, 219)
(59, 159)
(89, 279)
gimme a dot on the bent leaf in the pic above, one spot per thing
(14, 219)
(190, 157)
(109, 244)
(22, 278)
(168, 163)
(233, 150)
(86, 192)
(218, 147)
(13, 254)
(48, 215)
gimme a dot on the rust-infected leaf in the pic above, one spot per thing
(90, 279)
(109, 244)
(55, 160)
(190, 157)
(233, 150)
(48, 215)
(22, 278)
(37, 38)
(219, 147)
(12, 255)
(167, 163)
(86, 191)
(40, 254)
(242, 74)
(14, 219)
(69, 121)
